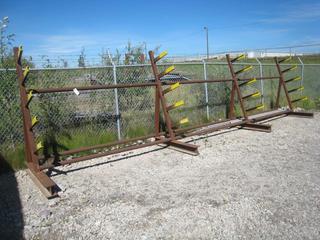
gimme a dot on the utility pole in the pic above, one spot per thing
(207, 38)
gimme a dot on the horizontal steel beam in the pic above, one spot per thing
(110, 152)
(100, 146)
(301, 114)
(185, 147)
(134, 85)
(257, 127)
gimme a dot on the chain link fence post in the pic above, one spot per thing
(116, 98)
(206, 88)
(261, 81)
(302, 73)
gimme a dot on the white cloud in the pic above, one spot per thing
(296, 13)
(73, 43)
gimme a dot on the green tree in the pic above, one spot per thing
(6, 39)
(109, 59)
(134, 54)
(10, 124)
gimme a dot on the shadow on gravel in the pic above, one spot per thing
(11, 218)
(54, 171)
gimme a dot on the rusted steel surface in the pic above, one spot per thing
(189, 147)
(31, 157)
(171, 137)
(301, 114)
(160, 96)
(257, 127)
(282, 83)
(87, 88)
(97, 155)
(134, 85)
(100, 146)
(235, 88)
(46, 185)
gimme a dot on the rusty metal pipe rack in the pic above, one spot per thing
(171, 137)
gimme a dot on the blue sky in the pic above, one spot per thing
(64, 27)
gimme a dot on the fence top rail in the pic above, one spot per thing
(148, 65)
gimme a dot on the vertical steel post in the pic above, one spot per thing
(302, 74)
(46, 185)
(29, 138)
(261, 81)
(206, 88)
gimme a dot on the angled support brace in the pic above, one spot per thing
(257, 127)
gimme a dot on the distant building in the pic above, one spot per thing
(253, 54)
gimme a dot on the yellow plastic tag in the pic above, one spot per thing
(34, 121)
(260, 107)
(168, 70)
(161, 55)
(294, 67)
(184, 121)
(26, 71)
(20, 50)
(178, 104)
(242, 56)
(171, 88)
(39, 146)
(244, 69)
(257, 94)
(252, 81)
(30, 95)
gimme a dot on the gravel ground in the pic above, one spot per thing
(243, 185)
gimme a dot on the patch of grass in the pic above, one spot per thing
(308, 104)
(87, 138)
(133, 132)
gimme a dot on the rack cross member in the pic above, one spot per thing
(160, 100)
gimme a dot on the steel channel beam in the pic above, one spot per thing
(301, 114)
(267, 114)
(111, 152)
(86, 88)
(257, 127)
(135, 85)
(214, 126)
(185, 147)
(100, 146)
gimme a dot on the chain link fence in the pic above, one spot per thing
(68, 120)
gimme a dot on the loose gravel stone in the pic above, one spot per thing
(243, 185)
